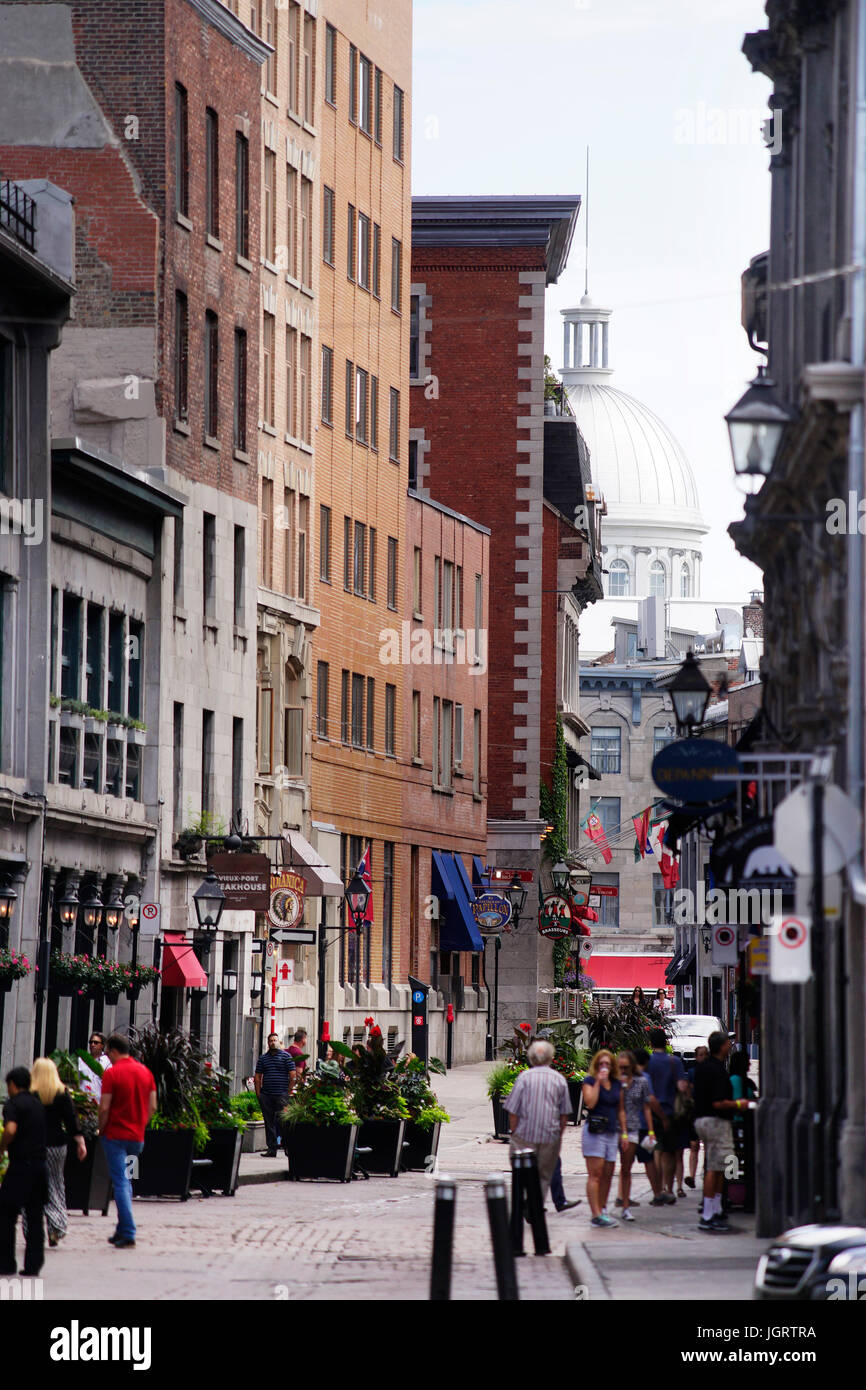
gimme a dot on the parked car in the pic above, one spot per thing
(689, 1031)
(826, 1263)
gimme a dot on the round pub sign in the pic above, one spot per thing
(554, 916)
(287, 899)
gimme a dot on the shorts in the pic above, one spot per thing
(718, 1137)
(672, 1138)
(604, 1145)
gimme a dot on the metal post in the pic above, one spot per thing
(488, 1044)
(134, 963)
(503, 1254)
(443, 1240)
(516, 1206)
(449, 1043)
(321, 984)
(534, 1203)
(819, 1118)
(496, 997)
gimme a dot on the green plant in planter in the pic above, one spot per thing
(622, 1026)
(321, 1101)
(501, 1079)
(214, 1100)
(54, 701)
(177, 1063)
(430, 1116)
(413, 1079)
(375, 1090)
(246, 1104)
(191, 1120)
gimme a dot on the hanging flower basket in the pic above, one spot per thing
(111, 996)
(13, 966)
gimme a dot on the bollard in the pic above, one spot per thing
(516, 1207)
(526, 1164)
(443, 1240)
(503, 1254)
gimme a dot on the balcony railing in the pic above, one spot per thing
(18, 213)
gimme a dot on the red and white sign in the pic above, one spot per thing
(151, 914)
(790, 950)
(724, 945)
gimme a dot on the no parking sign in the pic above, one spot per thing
(724, 945)
(790, 950)
(150, 915)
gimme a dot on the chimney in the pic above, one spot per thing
(753, 614)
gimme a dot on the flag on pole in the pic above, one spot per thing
(364, 869)
(670, 869)
(642, 844)
(593, 828)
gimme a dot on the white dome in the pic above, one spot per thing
(634, 458)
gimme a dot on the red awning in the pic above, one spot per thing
(624, 972)
(181, 968)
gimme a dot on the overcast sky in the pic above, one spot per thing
(507, 95)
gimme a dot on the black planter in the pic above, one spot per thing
(384, 1139)
(224, 1152)
(87, 1182)
(421, 1145)
(133, 992)
(165, 1165)
(574, 1091)
(320, 1151)
(111, 996)
(6, 983)
(501, 1127)
(65, 988)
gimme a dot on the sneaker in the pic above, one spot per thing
(603, 1220)
(706, 1223)
(618, 1202)
(626, 1214)
(720, 1223)
(53, 1239)
(122, 1243)
(566, 1206)
(658, 1202)
(680, 1192)
(689, 1182)
(269, 1153)
(669, 1199)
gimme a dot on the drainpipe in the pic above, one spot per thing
(853, 1141)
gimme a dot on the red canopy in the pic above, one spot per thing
(181, 968)
(624, 972)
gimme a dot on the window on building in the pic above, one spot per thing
(327, 385)
(377, 106)
(239, 428)
(306, 232)
(322, 671)
(396, 274)
(374, 412)
(458, 735)
(212, 173)
(437, 593)
(662, 903)
(437, 736)
(371, 713)
(662, 737)
(208, 566)
(416, 724)
(328, 209)
(132, 786)
(377, 259)
(294, 45)
(606, 749)
(358, 558)
(446, 744)
(685, 582)
(366, 92)
(181, 357)
(288, 521)
(363, 251)
(479, 616)
(309, 68)
(361, 405)
(416, 581)
(619, 579)
(390, 720)
(357, 711)
(240, 573)
(331, 65)
(116, 659)
(608, 810)
(631, 646)
(350, 399)
(293, 732)
(371, 565)
(237, 768)
(291, 380)
(351, 242)
(344, 707)
(305, 386)
(347, 553)
(93, 656)
(325, 544)
(269, 207)
(269, 34)
(657, 580)
(211, 375)
(476, 752)
(414, 336)
(269, 329)
(398, 124)
(394, 425)
(353, 84)
(447, 636)
(207, 751)
(413, 464)
(303, 533)
(181, 151)
(458, 598)
(242, 195)
(177, 769)
(608, 903)
(392, 572)
(267, 533)
(387, 912)
(265, 730)
(292, 222)
(134, 669)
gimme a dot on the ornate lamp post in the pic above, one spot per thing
(690, 695)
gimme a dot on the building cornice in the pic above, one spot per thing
(228, 24)
(548, 222)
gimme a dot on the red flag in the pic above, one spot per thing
(364, 869)
(593, 827)
(641, 825)
(670, 869)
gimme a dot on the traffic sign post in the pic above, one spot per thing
(293, 936)
(151, 916)
(420, 1030)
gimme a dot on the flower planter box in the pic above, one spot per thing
(87, 1182)
(114, 731)
(165, 1165)
(320, 1151)
(224, 1153)
(422, 1144)
(384, 1139)
(6, 983)
(111, 996)
(254, 1137)
(138, 736)
(93, 726)
(133, 992)
(70, 720)
(65, 988)
(501, 1126)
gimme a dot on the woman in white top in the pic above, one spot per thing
(661, 1002)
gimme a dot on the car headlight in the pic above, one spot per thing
(851, 1261)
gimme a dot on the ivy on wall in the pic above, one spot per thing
(553, 809)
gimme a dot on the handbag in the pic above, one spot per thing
(596, 1124)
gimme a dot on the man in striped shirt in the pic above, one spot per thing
(274, 1079)
(539, 1106)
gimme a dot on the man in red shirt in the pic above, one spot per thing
(127, 1103)
(298, 1050)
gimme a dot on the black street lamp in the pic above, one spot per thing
(8, 899)
(561, 875)
(91, 909)
(68, 905)
(756, 425)
(690, 695)
(114, 910)
(209, 900)
(357, 896)
(516, 895)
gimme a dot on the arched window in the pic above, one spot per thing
(619, 582)
(685, 582)
(657, 586)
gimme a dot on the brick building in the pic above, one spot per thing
(142, 117)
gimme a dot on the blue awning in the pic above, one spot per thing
(457, 927)
(480, 878)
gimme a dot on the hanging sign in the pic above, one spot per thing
(759, 955)
(696, 771)
(492, 912)
(244, 878)
(286, 907)
(790, 950)
(554, 917)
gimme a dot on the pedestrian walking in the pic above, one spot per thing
(298, 1050)
(701, 1054)
(742, 1084)
(99, 1050)
(274, 1080)
(61, 1127)
(539, 1106)
(127, 1104)
(557, 1190)
(24, 1188)
(638, 1123)
(647, 1156)
(667, 1077)
(661, 1002)
(715, 1108)
(605, 1123)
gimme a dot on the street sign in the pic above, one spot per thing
(287, 898)
(792, 826)
(286, 972)
(687, 991)
(724, 945)
(492, 912)
(244, 878)
(696, 771)
(554, 917)
(151, 913)
(500, 875)
(289, 936)
(759, 955)
(585, 948)
(419, 1018)
(790, 950)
